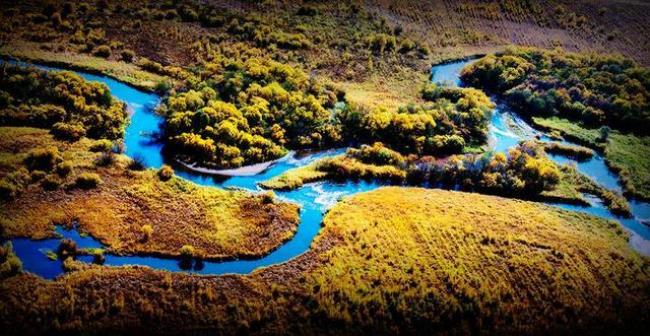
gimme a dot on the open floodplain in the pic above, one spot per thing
(183, 167)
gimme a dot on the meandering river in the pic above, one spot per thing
(506, 130)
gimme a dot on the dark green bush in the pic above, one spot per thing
(64, 168)
(136, 163)
(128, 55)
(165, 173)
(105, 159)
(10, 264)
(68, 132)
(44, 159)
(88, 180)
(51, 182)
(102, 145)
(596, 90)
(102, 51)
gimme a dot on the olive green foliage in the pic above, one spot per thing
(61, 101)
(87, 180)
(12, 184)
(525, 172)
(451, 119)
(249, 111)
(9, 263)
(44, 159)
(376, 154)
(165, 173)
(626, 154)
(102, 51)
(37, 164)
(593, 89)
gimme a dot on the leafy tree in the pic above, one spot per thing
(597, 90)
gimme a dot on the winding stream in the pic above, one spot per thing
(506, 130)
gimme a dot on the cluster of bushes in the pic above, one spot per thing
(9, 263)
(524, 172)
(376, 154)
(61, 101)
(42, 165)
(341, 168)
(451, 119)
(381, 42)
(248, 111)
(12, 184)
(46, 167)
(593, 89)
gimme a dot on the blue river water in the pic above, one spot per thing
(506, 130)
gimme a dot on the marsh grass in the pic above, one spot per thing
(625, 153)
(113, 203)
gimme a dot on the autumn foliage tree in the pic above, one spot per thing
(596, 90)
(63, 102)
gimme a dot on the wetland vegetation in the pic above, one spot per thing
(392, 197)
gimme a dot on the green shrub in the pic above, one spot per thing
(68, 132)
(51, 182)
(37, 175)
(13, 184)
(10, 264)
(128, 55)
(9, 190)
(102, 51)
(44, 159)
(102, 145)
(136, 163)
(268, 197)
(147, 231)
(165, 173)
(376, 154)
(64, 168)
(88, 180)
(187, 251)
(105, 159)
(406, 45)
(163, 86)
(67, 248)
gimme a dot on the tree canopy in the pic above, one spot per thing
(61, 101)
(594, 89)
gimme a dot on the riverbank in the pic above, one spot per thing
(135, 212)
(124, 72)
(249, 170)
(520, 263)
